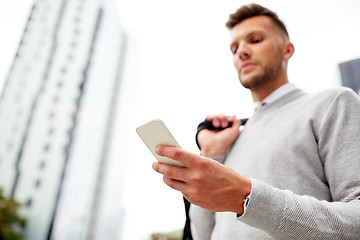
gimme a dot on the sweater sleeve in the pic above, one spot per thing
(285, 215)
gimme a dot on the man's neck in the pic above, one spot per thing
(275, 95)
(262, 92)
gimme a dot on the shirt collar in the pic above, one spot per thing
(278, 93)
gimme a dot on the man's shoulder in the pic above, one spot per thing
(337, 90)
(324, 99)
(336, 93)
(335, 98)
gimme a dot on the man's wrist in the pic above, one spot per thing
(212, 152)
(245, 197)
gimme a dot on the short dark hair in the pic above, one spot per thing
(254, 10)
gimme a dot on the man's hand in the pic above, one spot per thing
(203, 181)
(217, 142)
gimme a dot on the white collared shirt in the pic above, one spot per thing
(278, 93)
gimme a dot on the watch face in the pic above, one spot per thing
(245, 204)
(246, 201)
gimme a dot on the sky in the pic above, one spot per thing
(178, 68)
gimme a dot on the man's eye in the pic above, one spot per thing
(256, 40)
(233, 50)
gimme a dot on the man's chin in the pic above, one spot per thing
(246, 82)
(253, 82)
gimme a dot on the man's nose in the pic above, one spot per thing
(244, 51)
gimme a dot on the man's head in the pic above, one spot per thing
(261, 49)
(253, 10)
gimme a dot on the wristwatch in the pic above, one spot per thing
(246, 201)
(245, 204)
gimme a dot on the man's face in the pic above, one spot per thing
(257, 47)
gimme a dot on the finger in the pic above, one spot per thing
(230, 118)
(175, 184)
(212, 117)
(177, 154)
(236, 122)
(216, 121)
(224, 122)
(219, 120)
(186, 196)
(169, 171)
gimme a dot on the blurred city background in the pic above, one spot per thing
(78, 76)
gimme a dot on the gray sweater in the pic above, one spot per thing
(302, 153)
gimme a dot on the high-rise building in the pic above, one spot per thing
(350, 74)
(56, 114)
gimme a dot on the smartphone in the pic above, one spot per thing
(156, 133)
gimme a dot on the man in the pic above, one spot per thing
(294, 170)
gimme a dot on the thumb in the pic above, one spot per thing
(236, 122)
(235, 128)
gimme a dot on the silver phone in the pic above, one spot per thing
(156, 133)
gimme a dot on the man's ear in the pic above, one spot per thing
(288, 50)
